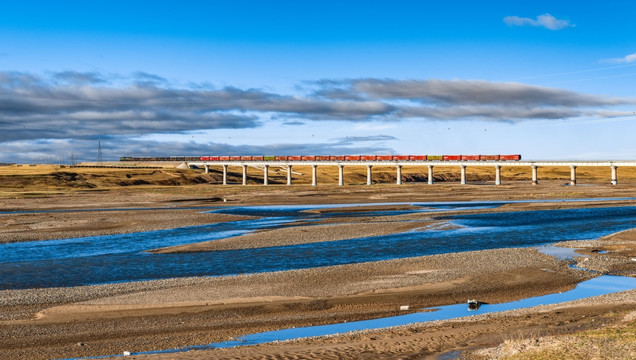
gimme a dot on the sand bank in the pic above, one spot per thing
(63, 225)
(298, 235)
(349, 227)
(171, 313)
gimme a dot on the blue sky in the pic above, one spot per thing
(548, 80)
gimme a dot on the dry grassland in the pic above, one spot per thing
(51, 178)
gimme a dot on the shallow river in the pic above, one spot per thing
(118, 258)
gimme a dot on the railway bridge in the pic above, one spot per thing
(398, 164)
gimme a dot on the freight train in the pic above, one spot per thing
(220, 158)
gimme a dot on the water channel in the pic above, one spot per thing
(119, 258)
(594, 287)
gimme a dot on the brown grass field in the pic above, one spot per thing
(54, 178)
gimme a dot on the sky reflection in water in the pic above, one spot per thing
(117, 258)
(594, 287)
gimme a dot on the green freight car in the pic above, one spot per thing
(434, 157)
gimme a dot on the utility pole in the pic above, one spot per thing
(99, 151)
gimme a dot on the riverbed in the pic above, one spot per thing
(482, 250)
(125, 257)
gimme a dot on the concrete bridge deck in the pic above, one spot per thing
(462, 164)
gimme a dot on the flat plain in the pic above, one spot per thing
(171, 313)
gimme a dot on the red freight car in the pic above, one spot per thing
(514, 157)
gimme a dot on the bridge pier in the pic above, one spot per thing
(534, 165)
(314, 175)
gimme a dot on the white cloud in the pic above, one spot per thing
(624, 60)
(546, 21)
(83, 108)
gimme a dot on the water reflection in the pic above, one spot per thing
(598, 286)
(602, 285)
